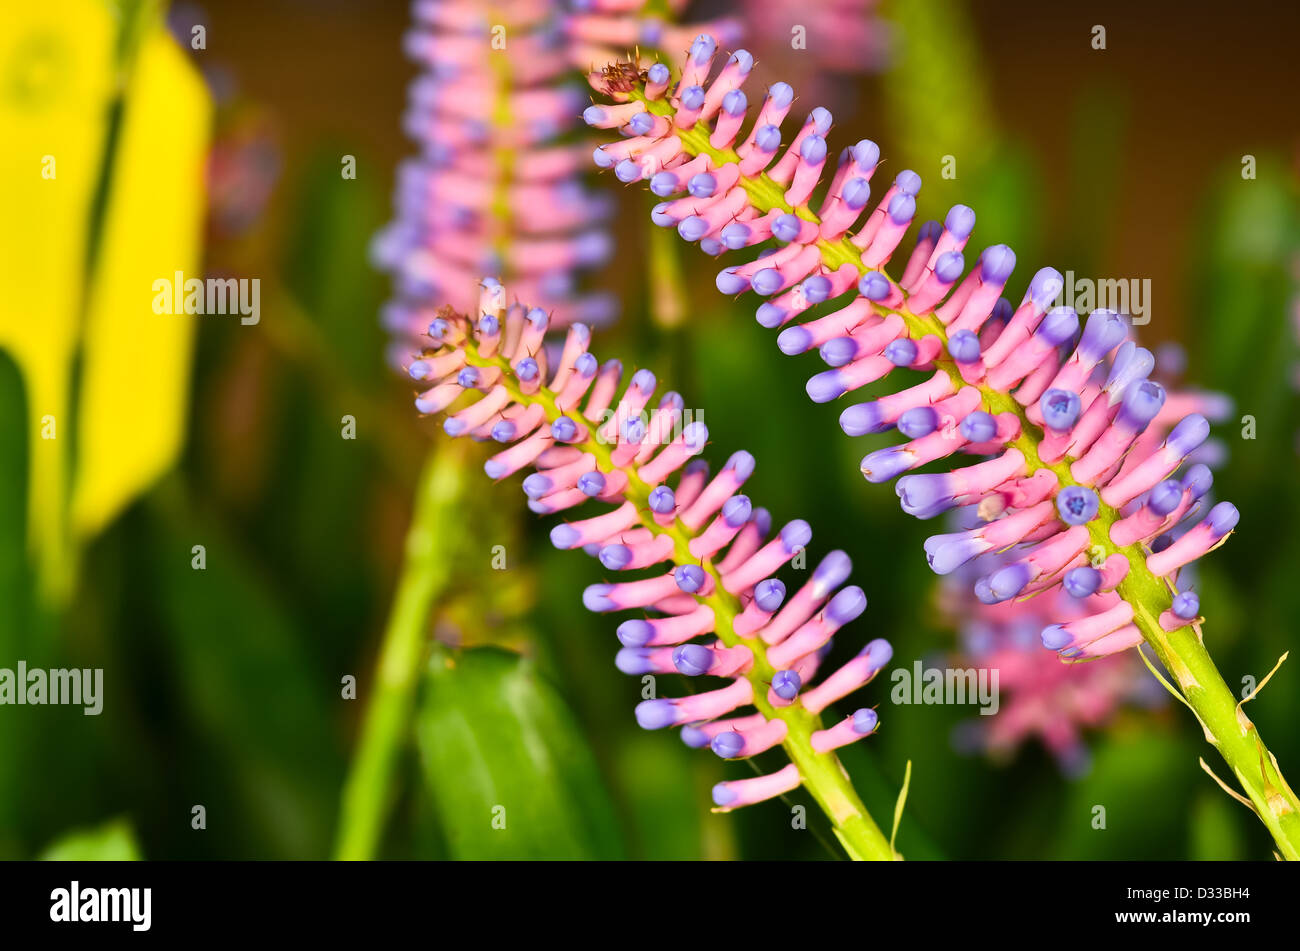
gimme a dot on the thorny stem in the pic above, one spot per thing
(822, 773)
(1182, 651)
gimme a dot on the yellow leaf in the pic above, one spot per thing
(133, 397)
(56, 87)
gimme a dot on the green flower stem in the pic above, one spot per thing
(1182, 651)
(822, 773)
(430, 543)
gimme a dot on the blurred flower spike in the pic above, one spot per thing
(706, 558)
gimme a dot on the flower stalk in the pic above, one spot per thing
(1078, 485)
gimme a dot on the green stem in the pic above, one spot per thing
(1182, 651)
(368, 791)
(821, 774)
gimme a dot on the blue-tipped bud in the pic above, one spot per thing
(769, 594)
(615, 557)
(1060, 409)
(1186, 606)
(786, 684)
(865, 721)
(662, 501)
(979, 426)
(655, 714)
(693, 660)
(964, 346)
(901, 352)
(874, 286)
(564, 429)
(591, 483)
(1077, 505)
(1082, 581)
(727, 745)
(689, 578)
(918, 421)
(635, 633)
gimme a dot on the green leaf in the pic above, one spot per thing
(507, 765)
(113, 841)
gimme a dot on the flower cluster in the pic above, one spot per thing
(602, 30)
(709, 599)
(495, 189)
(1074, 484)
(1040, 698)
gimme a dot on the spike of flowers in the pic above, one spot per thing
(1059, 406)
(700, 556)
(495, 189)
(602, 30)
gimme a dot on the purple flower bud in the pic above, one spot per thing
(591, 483)
(1140, 404)
(655, 714)
(964, 346)
(615, 557)
(1198, 480)
(918, 421)
(662, 501)
(1186, 606)
(729, 282)
(595, 598)
(768, 139)
(1006, 583)
(1077, 505)
(734, 103)
(727, 745)
(813, 149)
(865, 721)
(796, 535)
(693, 660)
(856, 193)
(537, 485)
(564, 429)
(1060, 409)
(769, 594)
(908, 182)
(902, 208)
(663, 184)
(816, 288)
(960, 221)
(1082, 581)
(901, 352)
(736, 511)
(702, 185)
(635, 633)
(835, 353)
(846, 606)
(504, 431)
(1165, 497)
(468, 377)
(949, 266)
(979, 426)
(689, 578)
(527, 369)
(874, 286)
(692, 228)
(786, 684)
(641, 124)
(996, 263)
